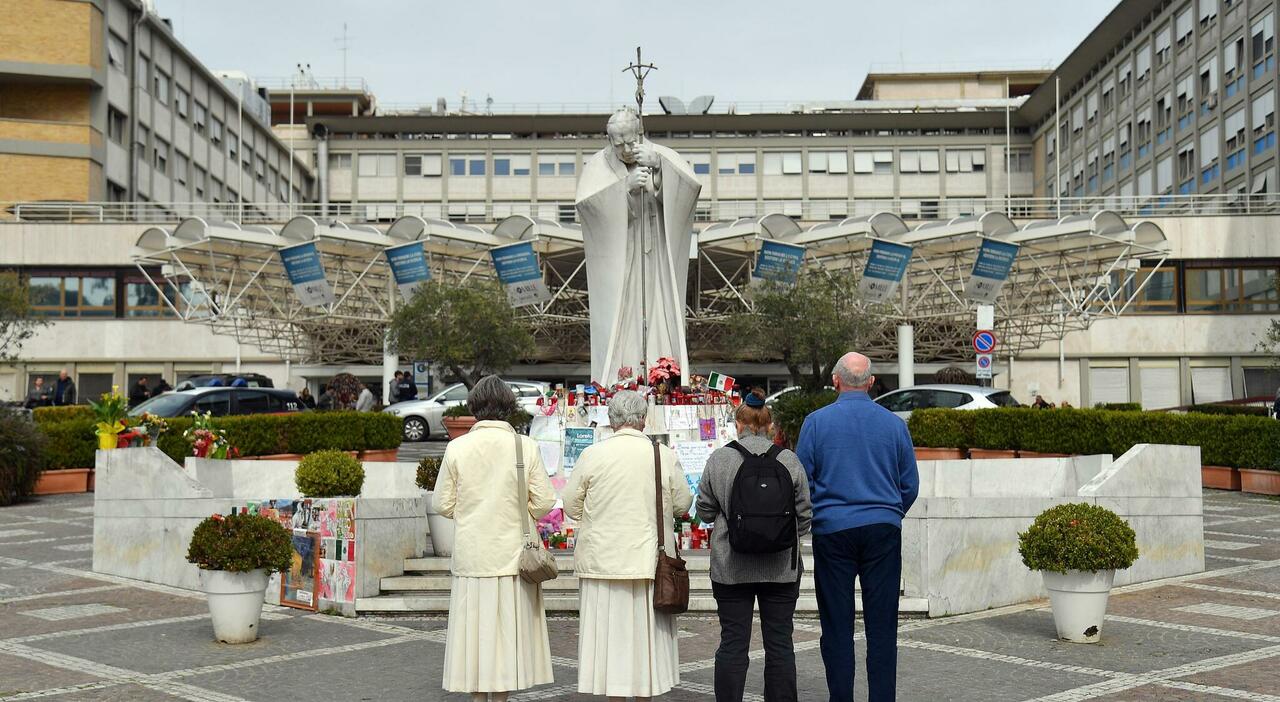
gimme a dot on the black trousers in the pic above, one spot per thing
(735, 605)
(873, 553)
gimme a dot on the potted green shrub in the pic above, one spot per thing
(329, 473)
(439, 526)
(236, 554)
(457, 420)
(1078, 548)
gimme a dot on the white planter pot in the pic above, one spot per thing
(235, 603)
(1079, 602)
(441, 528)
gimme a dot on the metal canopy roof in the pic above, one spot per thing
(1068, 272)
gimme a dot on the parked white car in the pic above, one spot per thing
(962, 397)
(423, 419)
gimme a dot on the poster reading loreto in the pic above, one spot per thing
(576, 440)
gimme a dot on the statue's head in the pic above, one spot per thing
(624, 134)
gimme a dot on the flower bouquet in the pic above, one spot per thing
(152, 427)
(207, 441)
(110, 411)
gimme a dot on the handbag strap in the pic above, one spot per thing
(522, 489)
(657, 485)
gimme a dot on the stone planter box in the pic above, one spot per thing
(1220, 477)
(457, 426)
(1037, 454)
(64, 481)
(940, 454)
(1260, 482)
(977, 453)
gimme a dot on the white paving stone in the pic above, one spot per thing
(8, 533)
(1220, 508)
(86, 546)
(1220, 545)
(1215, 609)
(57, 614)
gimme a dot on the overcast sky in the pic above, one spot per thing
(573, 50)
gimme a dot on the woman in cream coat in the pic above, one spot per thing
(497, 636)
(625, 648)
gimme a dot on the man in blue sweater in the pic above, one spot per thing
(862, 479)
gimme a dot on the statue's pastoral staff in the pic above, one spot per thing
(636, 202)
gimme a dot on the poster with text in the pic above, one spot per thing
(995, 260)
(520, 273)
(306, 273)
(409, 267)
(576, 440)
(298, 585)
(886, 264)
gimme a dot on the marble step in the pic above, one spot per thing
(698, 603)
(439, 583)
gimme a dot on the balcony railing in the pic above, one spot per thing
(284, 83)
(1020, 208)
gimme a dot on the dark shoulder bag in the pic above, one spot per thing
(671, 577)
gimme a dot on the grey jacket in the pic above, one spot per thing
(729, 567)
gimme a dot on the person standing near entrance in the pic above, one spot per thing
(140, 392)
(862, 479)
(393, 389)
(406, 389)
(770, 574)
(64, 391)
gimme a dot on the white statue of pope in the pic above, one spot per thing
(636, 202)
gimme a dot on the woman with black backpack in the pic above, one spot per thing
(757, 496)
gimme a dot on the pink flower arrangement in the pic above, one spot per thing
(663, 371)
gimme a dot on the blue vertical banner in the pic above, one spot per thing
(409, 267)
(519, 272)
(886, 265)
(306, 273)
(778, 262)
(995, 260)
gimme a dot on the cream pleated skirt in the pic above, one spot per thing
(497, 637)
(625, 649)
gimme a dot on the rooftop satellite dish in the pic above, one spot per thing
(701, 105)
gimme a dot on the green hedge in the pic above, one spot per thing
(72, 443)
(1119, 406)
(791, 409)
(1236, 441)
(44, 415)
(1246, 410)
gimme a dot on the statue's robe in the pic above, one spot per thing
(631, 239)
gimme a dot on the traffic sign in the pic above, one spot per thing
(984, 366)
(984, 341)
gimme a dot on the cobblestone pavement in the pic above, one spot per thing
(69, 634)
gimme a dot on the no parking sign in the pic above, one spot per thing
(984, 341)
(983, 366)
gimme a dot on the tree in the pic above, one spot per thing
(808, 325)
(469, 329)
(16, 321)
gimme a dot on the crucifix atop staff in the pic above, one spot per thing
(635, 201)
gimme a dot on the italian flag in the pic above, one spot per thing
(723, 383)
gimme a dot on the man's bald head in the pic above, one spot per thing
(853, 372)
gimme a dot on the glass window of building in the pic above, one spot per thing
(1208, 12)
(1144, 131)
(1232, 289)
(1108, 94)
(161, 92)
(1209, 85)
(782, 163)
(1125, 81)
(1186, 165)
(181, 167)
(699, 162)
(200, 116)
(1091, 171)
(1233, 130)
(966, 160)
(260, 168)
(233, 144)
(1232, 60)
(1142, 60)
(511, 164)
(1164, 175)
(1183, 28)
(833, 162)
(162, 156)
(216, 131)
(736, 163)
(1146, 183)
(181, 101)
(557, 164)
(1186, 100)
(1163, 46)
(338, 162)
(117, 52)
(1209, 155)
(144, 72)
(73, 294)
(424, 165)
(1264, 122)
(1091, 106)
(376, 166)
(1263, 42)
(1164, 117)
(116, 126)
(198, 181)
(1077, 118)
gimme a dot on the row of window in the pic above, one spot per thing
(730, 163)
(1206, 80)
(1232, 139)
(95, 294)
(1187, 287)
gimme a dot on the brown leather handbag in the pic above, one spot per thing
(671, 576)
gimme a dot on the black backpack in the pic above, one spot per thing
(762, 503)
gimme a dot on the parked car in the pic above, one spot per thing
(253, 380)
(963, 397)
(220, 402)
(423, 419)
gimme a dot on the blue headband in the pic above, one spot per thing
(753, 400)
